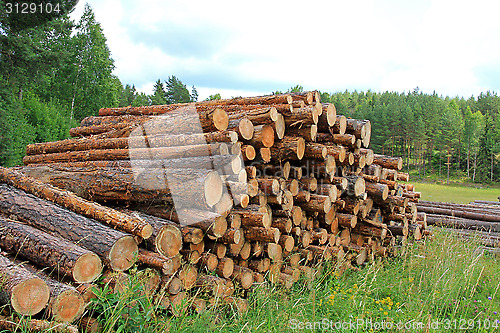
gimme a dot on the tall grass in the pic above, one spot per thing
(440, 285)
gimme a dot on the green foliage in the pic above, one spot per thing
(158, 97)
(176, 91)
(129, 308)
(214, 97)
(425, 128)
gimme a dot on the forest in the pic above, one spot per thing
(55, 74)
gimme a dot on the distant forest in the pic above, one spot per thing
(55, 74)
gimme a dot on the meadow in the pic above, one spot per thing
(457, 193)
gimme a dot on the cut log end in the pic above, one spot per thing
(68, 306)
(246, 128)
(267, 136)
(87, 268)
(213, 188)
(220, 119)
(169, 241)
(280, 126)
(30, 297)
(301, 148)
(123, 253)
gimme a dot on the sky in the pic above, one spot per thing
(246, 48)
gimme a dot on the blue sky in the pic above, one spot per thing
(241, 48)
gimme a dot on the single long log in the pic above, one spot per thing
(459, 213)
(462, 223)
(153, 141)
(186, 187)
(115, 248)
(25, 292)
(291, 148)
(216, 162)
(212, 223)
(151, 154)
(81, 265)
(70, 200)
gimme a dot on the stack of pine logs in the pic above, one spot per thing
(479, 219)
(213, 195)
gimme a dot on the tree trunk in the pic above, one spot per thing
(81, 265)
(115, 248)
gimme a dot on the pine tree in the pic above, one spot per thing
(158, 97)
(176, 91)
(485, 154)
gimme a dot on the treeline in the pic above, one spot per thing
(434, 134)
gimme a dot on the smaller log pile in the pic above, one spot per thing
(479, 219)
(215, 196)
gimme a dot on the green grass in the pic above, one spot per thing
(443, 283)
(456, 193)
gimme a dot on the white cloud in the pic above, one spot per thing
(260, 46)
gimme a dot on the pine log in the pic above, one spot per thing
(243, 275)
(226, 163)
(115, 248)
(132, 142)
(291, 148)
(75, 203)
(152, 154)
(35, 325)
(356, 186)
(250, 218)
(167, 235)
(25, 292)
(388, 162)
(462, 223)
(186, 187)
(378, 192)
(82, 265)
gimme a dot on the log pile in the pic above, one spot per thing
(479, 219)
(215, 196)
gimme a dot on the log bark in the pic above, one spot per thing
(289, 148)
(270, 235)
(459, 213)
(35, 325)
(115, 248)
(25, 292)
(185, 187)
(462, 223)
(81, 265)
(153, 141)
(167, 236)
(388, 162)
(151, 154)
(225, 163)
(77, 204)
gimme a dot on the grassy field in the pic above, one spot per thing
(456, 193)
(440, 285)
